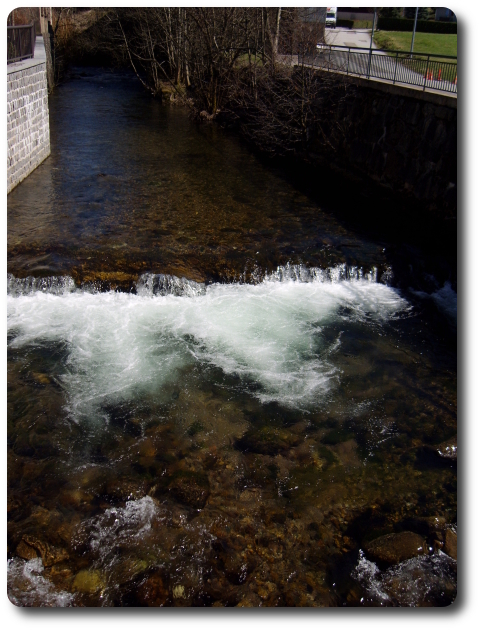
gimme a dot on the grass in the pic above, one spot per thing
(244, 61)
(433, 43)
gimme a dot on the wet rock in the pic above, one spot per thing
(432, 526)
(423, 581)
(447, 449)
(25, 551)
(236, 568)
(61, 576)
(190, 488)
(23, 447)
(50, 555)
(75, 498)
(250, 600)
(178, 592)
(42, 516)
(451, 543)
(147, 448)
(347, 453)
(266, 590)
(152, 591)
(336, 436)
(88, 582)
(267, 440)
(395, 548)
(42, 445)
(125, 489)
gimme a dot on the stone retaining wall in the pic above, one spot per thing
(28, 128)
(404, 139)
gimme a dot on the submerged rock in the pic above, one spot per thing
(88, 582)
(190, 488)
(447, 449)
(267, 440)
(395, 548)
(152, 591)
(451, 543)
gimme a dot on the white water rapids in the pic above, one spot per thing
(125, 345)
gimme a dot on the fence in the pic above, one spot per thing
(418, 69)
(20, 42)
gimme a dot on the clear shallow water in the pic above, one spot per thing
(188, 442)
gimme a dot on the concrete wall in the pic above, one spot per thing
(28, 127)
(403, 139)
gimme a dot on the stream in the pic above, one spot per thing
(218, 392)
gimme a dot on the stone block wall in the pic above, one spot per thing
(404, 139)
(28, 128)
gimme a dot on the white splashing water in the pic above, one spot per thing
(117, 526)
(27, 586)
(408, 583)
(123, 345)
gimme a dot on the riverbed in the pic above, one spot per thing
(219, 394)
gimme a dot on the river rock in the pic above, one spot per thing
(395, 548)
(152, 591)
(25, 551)
(447, 449)
(451, 543)
(88, 582)
(190, 488)
(267, 440)
(50, 555)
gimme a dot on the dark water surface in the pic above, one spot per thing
(217, 396)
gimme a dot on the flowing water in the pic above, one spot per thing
(218, 394)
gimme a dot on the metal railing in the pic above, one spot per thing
(418, 69)
(20, 42)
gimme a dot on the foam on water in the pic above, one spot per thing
(408, 583)
(27, 586)
(116, 526)
(123, 345)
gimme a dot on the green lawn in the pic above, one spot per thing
(433, 43)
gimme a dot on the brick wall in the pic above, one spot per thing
(28, 129)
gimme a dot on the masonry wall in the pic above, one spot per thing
(403, 139)
(28, 129)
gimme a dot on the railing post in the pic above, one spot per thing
(348, 59)
(329, 54)
(395, 72)
(369, 62)
(426, 72)
(33, 40)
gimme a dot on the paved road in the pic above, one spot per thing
(381, 66)
(359, 38)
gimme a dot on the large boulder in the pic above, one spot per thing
(394, 548)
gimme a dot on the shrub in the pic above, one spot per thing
(423, 26)
(390, 12)
(423, 13)
(345, 23)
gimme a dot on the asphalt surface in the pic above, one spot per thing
(381, 67)
(338, 36)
